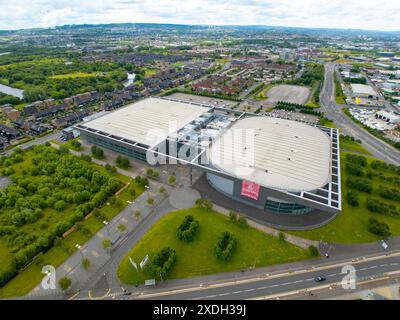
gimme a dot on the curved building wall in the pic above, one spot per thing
(232, 189)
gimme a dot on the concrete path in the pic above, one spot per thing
(301, 242)
(94, 250)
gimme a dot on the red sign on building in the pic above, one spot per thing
(250, 189)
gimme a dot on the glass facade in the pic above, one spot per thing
(116, 147)
(286, 208)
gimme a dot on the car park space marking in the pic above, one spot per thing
(94, 253)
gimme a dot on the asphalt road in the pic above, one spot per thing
(285, 283)
(377, 147)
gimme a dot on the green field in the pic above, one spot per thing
(350, 226)
(353, 146)
(73, 75)
(196, 258)
(27, 279)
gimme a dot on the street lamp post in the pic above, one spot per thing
(106, 224)
(80, 250)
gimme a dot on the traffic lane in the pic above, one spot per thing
(285, 283)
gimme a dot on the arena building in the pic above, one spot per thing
(277, 165)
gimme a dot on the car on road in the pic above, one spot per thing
(319, 279)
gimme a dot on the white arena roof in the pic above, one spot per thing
(288, 155)
(136, 120)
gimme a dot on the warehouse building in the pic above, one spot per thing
(277, 165)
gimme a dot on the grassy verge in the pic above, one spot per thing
(197, 258)
(339, 96)
(350, 226)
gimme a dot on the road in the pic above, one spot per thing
(269, 285)
(47, 138)
(290, 283)
(333, 111)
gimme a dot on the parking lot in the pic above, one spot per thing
(288, 93)
(204, 100)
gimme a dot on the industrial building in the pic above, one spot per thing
(363, 90)
(277, 165)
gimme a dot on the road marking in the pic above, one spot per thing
(67, 268)
(94, 254)
(100, 235)
(249, 280)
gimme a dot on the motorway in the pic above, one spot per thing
(333, 111)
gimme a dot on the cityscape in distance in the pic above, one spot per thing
(197, 152)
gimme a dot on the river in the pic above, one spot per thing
(11, 91)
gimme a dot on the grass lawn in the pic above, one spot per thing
(197, 258)
(353, 146)
(149, 72)
(73, 75)
(350, 226)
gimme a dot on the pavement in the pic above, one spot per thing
(313, 219)
(334, 112)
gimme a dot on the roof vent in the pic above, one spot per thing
(297, 137)
(290, 159)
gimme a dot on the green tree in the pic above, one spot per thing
(65, 283)
(86, 263)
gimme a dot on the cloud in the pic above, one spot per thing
(356, 14)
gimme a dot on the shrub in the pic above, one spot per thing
(359, 184)
(356, 159)
(204, 204)
(97, 214)
(187, 230)
(122, 162)
(86, 157)
(106, 243)
(121, 227)
(378, 228)
(152, 173)
(150, 201)
(281, 236)
(86, 263)
(389, 193)
(137, 214)
(225, 246)
(354, 169)
(65, 283)
(76, 145)
(233, 216)
(97, 152)
(171, 180)
(313, 251)
(352, 198)
(60, 205)
(163, 262)
(382, 208)
(242, 221)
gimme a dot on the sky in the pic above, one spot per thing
(355, 14)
